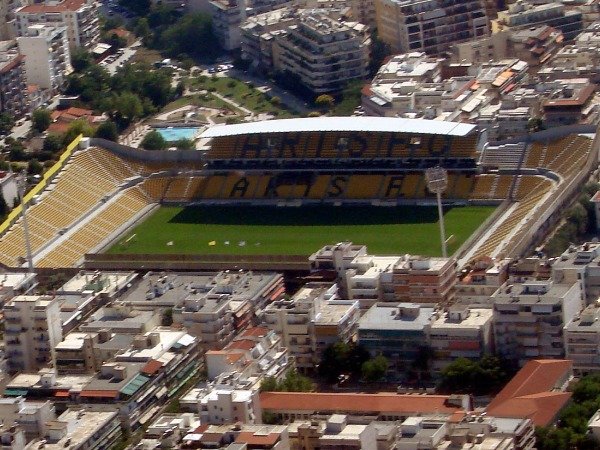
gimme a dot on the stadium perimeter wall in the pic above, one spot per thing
(137, 154)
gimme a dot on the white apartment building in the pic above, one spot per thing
(582, 341)
(32, 331)
(47, 56)
(311, 320)
(82, 428)
(225, 404)
(80, 17)
(529, 318)
(431, 26)
(32, 417)
(322, 52)
(525, 14)
(580, 264)
(460, 332)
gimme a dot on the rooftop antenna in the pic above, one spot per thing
(437, 182)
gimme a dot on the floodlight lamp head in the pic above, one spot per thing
(437, 179)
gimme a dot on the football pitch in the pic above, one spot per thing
(271, 230)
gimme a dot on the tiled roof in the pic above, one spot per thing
(250, 438)
(532, 393)
(542, 408)
(538, 375)
(66, 5)
(255, 331)
(152, 367)
(380, 403)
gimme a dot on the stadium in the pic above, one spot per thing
(241, 198)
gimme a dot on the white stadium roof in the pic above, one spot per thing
(316, 124)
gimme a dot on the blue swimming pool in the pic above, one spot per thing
(172, 134)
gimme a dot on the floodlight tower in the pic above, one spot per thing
(21, 182)
(437, 182)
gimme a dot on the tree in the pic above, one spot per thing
(139, 7)
(7, 121)
(292, 382)
(374, 369)
(154, 141)
(180, 89)
(34, 167)
(80, 59)
(77, 127)
(53, 143)
(128, 106)
(325, 101)
(182, 37)
(3, 208)
(485, 376)
(184, 144)
(41, 119)
(107, 130)
(342, 358)
(142, 29)
(379, 51)
(167, 317)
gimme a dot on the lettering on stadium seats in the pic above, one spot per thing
(395, 186)
(337, 186)
(240, 188)
(348, 145)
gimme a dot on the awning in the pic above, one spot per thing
(161, 392)
(63, 393)
(15, 392)
(99, 394)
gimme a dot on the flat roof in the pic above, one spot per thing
(314, 124)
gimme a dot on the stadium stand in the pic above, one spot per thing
(328, 159)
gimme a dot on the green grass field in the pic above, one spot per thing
(247, 230)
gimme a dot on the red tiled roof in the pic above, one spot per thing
(541, 408)
(66, 5)
(538, 375)
(381, 402)
(241, 344)
(61, 393)
(152, 367)
(255, 331)
(249, 438)
(532, 392)
(78, 112)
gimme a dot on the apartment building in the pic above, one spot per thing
(83, 428)
(13, 84)
(322, 52)
(211, 306)
(424, 279)
(79, 17)
(229, 405)
(460, 332)
(311, 320)
(31, 416)
(580, 264)
(524, 14)
(398, 331)
(47, 56)
(253, 354)
(257, 35)
(32, 331)
(582, 341)
(431, 26)
(228, 16)
(529, 318)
